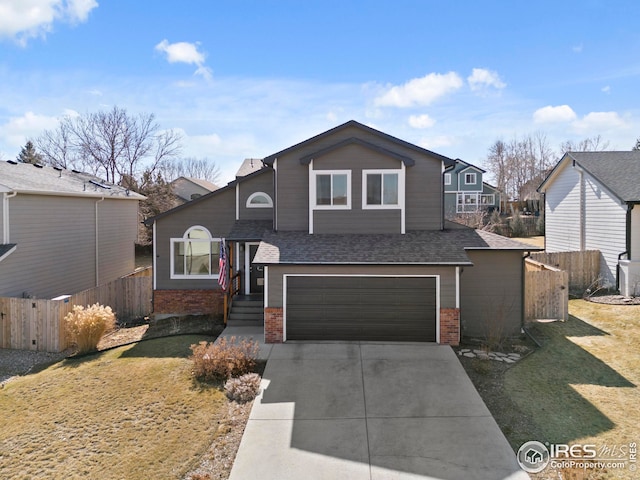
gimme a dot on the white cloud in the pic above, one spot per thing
(421, 121)
(598, 122)
(18, 129)
(482, 78)
(549, 114)
(577, 48)
(420, 91)
(25, 19)
(606, 89)
(431, 143)
(185, 52)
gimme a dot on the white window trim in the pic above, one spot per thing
(259, 205)
(401, 181)
(475, 178)
(447, 179)
(490, 196)
(182, 239)
(312, 189)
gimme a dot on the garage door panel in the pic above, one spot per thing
(361, 308)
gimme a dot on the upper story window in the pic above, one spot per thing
(332, 189)
(195, 255)
(447, 179)
(259, 200)
(382, 188)
(469, 178)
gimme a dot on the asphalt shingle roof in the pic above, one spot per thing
(249, 229)
(618, 171)
(434, 247)
(28, 178)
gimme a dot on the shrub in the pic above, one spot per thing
(516, 224)
(85, 326)
(224, 359)
(244, 388)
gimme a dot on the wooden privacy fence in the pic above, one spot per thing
(546, 292)
(583, 267)
(35, 324)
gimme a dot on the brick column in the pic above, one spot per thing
(273, 325)
(450, 326)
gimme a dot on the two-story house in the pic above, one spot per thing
(466, 191)
(343, 235)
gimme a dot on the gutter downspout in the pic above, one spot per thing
(6, 238)
(97, 245)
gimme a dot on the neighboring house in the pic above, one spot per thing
(187, 188)
(466, 191)
(62, 231)
(591, 203)
(345, 237)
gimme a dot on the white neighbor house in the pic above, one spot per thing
(591, 203)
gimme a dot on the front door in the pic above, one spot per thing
(256, 272)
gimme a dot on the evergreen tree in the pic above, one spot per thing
(637, 145)
(28, 154)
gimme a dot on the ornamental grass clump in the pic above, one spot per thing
(86, 326)
(244, 388)
(226, 358)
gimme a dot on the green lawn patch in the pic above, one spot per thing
(133, 412)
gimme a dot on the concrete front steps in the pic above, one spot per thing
(246, 311)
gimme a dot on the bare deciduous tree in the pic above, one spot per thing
(202, 168)
(110, 143)
(591, 144)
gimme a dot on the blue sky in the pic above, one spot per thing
(248, 78)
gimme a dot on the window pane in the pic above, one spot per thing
(215, 258)
(259, 200)
(390, 189)
(198, 233)
(323, 189)
(374, 189)
(339, 189)
(178, 258)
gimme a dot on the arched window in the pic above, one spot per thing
(195, 255)
(259, 200)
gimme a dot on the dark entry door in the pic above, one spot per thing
(256, 273)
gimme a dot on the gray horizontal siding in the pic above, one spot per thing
(447, 277)
(55, 239)
(423, 184)
(216, 213)
(491, 294)
(258, 183)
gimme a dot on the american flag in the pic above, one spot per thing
(223, 277)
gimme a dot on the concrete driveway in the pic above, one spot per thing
(370, 411)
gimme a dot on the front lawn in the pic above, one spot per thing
(581, 387)
(134, 412)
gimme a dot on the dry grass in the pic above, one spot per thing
(535, 241)
(582, 386)
(133, 412)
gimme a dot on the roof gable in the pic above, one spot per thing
(618, 172)
(356, 141)
(353, 124)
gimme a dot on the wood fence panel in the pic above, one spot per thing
(583, 267)
(546, 292)
(37, 324)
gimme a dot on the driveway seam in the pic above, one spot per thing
(366, 419)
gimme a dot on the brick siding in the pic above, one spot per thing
(189, 302)
(450, 326)
(273, 326)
